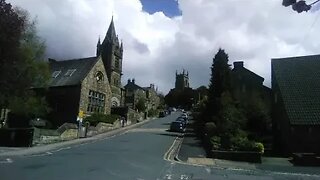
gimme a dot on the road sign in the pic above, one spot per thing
(81, 114)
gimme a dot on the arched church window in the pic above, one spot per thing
(99, 77)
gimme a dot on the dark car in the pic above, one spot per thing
(177, 126)
(182, 120)
(162, 114)
(185, 116)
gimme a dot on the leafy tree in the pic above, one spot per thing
(181, 98)
(171, 98)
(12, 26)
(22, 69)
(202, 92)
(226, 120)
(258, 118)
(220, 82)
(141, 105)
(162, 104)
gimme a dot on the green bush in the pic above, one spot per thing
(210, 128)
(141, 105)
(259, 147)
(95, 118)
(215, 142)
(153, 113)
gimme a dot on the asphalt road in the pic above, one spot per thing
(137, 154)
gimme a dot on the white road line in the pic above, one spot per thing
(6, 161)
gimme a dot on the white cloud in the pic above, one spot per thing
(155, 45)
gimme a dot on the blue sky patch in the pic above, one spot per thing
(169, 7)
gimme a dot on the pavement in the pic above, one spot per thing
(147, 152)
(192, 152)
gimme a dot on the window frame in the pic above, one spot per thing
(55, 74)
(70, 72)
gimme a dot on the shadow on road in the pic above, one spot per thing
(172, 134)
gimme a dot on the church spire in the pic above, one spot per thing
(111, 33)
(98, 47)
(121, 45)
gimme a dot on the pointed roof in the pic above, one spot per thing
(298, 81)
(79, 67)
(111, 33)
(239, 68)
(98, 41)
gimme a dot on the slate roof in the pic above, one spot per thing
(298, 79)
(247, 72)
(81, 66)
(133, 86)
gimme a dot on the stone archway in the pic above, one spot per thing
(115, 102)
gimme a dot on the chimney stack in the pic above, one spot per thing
(238, 64)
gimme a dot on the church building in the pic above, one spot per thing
(87, 85)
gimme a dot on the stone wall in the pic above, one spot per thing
(69, 131)
(134, 116)
(69, 134)
(90, 83)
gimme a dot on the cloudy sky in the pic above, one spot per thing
(162, 36)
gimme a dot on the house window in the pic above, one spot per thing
(70, 72)
(56, 74)
(96, 102)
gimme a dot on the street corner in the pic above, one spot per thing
(201, 161)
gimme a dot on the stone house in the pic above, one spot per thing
(78, 85)
(153, 99)
(296, 104)
(247, 86)
(133, 93)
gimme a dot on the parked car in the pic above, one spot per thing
(177, 126)
(184, 116)
(182, 120)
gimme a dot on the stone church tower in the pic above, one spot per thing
(182, 80)
(111, 51)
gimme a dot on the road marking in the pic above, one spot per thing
(168, 176)
(184, 177)
(61, 149)
(6, 161)
(168, 153)
(148, 130)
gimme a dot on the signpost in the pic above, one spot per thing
(79, 119)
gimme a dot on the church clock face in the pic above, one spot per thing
(99, 76)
